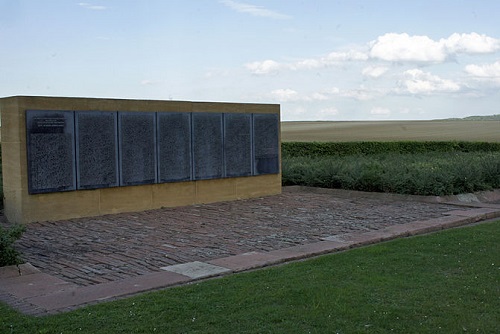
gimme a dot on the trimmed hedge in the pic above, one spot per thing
(320, 149)
(418, 168)
(415, 174)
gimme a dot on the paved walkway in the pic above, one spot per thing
(83, 261)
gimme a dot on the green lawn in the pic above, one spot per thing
(448, 282)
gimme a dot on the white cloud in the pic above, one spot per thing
(90, 6)
(402, 47)
(330, 111)
(390, 47)
(357, 78)
(148, 82)
(485, 73)
(360, 94)
(285, 95)
(332, 59)
(420, 82)
(319, 97)
(306, 64)
(290, 95)
(333, 90)
(264, 67)
(405, 48)
(296, 112)
(374, 71)
(253, 10)
(216, 73)
(472, 43)
(378, 111)
(351, 55)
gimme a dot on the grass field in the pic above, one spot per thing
(436, 130)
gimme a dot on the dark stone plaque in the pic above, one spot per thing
(137, 138)
(50, 151)
(207, 146)
(266, 143)
(238, 144)
(174, 147)
(96, 149)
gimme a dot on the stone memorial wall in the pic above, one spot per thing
(75, 157)
(130, 148)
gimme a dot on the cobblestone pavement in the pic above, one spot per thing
(90, 251)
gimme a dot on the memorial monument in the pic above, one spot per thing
(77, 157)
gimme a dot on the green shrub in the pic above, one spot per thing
(8, 254)
(1, 180)
(316, 149)
(432, 173)
(421, 168)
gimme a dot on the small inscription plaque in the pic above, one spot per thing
(174, 147)
(207, 146)
(266, 143)
(137, 132)
(50, 124)
(238, 144)
(50, 151)
(96, 149)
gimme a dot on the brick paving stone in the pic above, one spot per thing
(89, 251)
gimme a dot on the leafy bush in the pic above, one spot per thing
(432, 173)
(8, 254)
(316, 149)
(1, 179)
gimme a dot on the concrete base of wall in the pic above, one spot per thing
(24, 208)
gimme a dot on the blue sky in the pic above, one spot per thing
(321, 60)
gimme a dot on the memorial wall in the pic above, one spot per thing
(75, 157)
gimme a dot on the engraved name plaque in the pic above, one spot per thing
(238, 144)
(96, 149)
(50, 151)
(207, 146)
(266, 143)
(137, 132)
(174, 147)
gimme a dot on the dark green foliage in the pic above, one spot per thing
(8, 254)
(1, 180)
(482, 118)
(316, 149)
(401, 167)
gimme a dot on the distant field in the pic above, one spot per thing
(437, 130)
